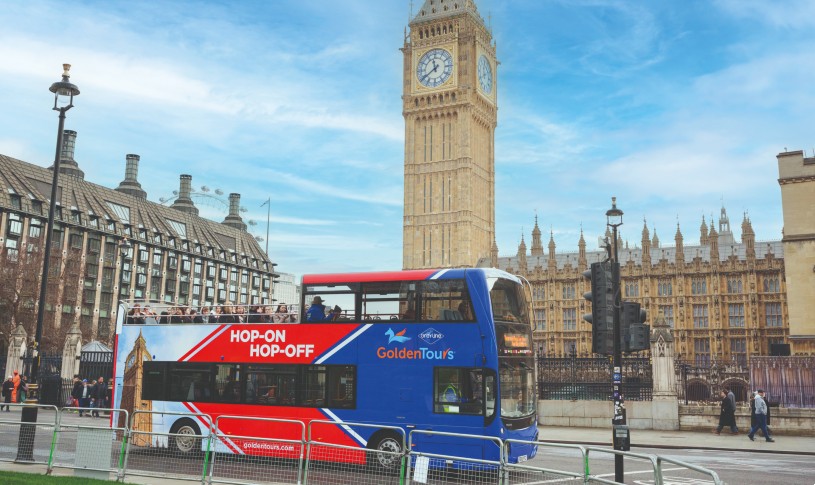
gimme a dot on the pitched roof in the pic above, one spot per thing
(33, 183)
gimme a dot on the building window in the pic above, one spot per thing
(34, 228)
(15, 225)
(568, 292)
(569, 347)
(668, 313)
(771, 285)
(76, 240)
(569, 319)
(735, 312)
(738, 350)
(540, 319)
(701, 351)
(632, 289)
(700, 316)
(772, 312)
(665, 288)
(698, 286)
(538, 293)
(734, 285)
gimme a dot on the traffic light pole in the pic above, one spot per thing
(618, 422)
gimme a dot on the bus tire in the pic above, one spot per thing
(387, 441)
(189, 441)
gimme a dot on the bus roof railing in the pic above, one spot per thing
(150, 312)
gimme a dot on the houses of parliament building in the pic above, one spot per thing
(725, 299)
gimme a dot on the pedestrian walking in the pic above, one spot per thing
(8, 387)
(761, 418)
(727, 415)
(85, 397)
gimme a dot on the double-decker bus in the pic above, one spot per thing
(443, 350)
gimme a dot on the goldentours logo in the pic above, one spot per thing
(431, 336)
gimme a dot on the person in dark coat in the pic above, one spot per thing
(99, 396)
(727, 416)
(76, 392)
(8, 387)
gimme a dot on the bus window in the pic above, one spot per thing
(313, 386)
(388, 301)
(227, 382)
(190, 382)
(272, 384)
(153, 381)
(459, 391)
(341, 386)
(446, 301)
(343, 296)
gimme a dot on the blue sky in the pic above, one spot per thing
(671, 106)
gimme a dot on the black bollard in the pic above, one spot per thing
(28, 427)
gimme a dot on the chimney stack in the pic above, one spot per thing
(130, 185)
(184, 203)
(67, 164)
(234, 217)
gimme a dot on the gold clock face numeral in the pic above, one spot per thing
(434, 68)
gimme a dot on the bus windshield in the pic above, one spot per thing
(508, 301)
(515, 360)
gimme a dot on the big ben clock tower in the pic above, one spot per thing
(450, 109)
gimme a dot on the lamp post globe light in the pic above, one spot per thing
(64, 93)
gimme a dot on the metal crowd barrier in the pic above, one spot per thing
(24, 442)
(436, 468)
(183, 453)
(272, 458)
(593, 477)
(701, 470)
(374, 465)
(243, 450)
(94, 446)
(527, 472)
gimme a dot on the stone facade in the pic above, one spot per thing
(723, 300)
(450, 109)
(796, 175)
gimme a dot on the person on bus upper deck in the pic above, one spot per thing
(227, 314)
(316, 312)
(240, 313)
(464, 310)
(134, 315)
(255, 314)
(282, 315)
(202, 317)
(335, 315)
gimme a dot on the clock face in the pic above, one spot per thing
(130, 361)
(485, 74)
(434, 68)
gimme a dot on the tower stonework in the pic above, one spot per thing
(450, 110)
(796, 175)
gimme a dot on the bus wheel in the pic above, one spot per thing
(391, 445)
(188, 439)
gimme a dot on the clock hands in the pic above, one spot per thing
(435, 66)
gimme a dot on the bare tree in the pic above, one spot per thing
(21, 276)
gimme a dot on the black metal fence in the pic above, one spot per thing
(93, 365)
(702, 382)
(580, 378)
(788, 381)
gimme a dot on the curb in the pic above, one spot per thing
(679, 447)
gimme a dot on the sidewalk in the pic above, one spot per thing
(646, 438)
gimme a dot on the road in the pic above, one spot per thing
(733, 467)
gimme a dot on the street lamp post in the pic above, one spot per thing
(64, 92)
(614, 219)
